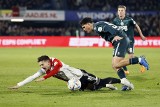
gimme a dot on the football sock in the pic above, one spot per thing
(108, 80)
(134, 60)
(121, 73)
(125, 68)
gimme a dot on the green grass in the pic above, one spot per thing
(18, 63)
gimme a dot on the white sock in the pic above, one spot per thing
(139, 59)
(123, 79)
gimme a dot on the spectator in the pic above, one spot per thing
(149, 24)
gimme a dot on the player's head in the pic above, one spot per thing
(87, 24)
(121, 11)
(44, 62)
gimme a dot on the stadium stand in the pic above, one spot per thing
(149, 24)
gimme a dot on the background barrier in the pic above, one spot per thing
(68, 41)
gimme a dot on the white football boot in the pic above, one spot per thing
(111, 86)
(125, 82)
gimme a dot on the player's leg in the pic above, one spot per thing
(118, 56)
(91, 82)
(125, 67)
(130, 52)
(136, 60)
(88, 81)
(119, 52)
(118, 61)
(108, 82)
(120, 72)
(125, 70)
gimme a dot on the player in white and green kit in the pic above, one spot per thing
(127, 24)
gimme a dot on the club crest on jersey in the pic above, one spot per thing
(99, 29)
(122, 23)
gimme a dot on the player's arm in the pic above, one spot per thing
(117, 38)
(140, 32)
(138, 29)
(114, 30)
(57, 65)
(27, 80)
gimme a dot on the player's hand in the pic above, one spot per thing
(14, 87)
(143, 38)
(116, 38)
(40, 79)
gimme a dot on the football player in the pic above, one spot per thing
(120, 43)
(53, 67)
(127, 24)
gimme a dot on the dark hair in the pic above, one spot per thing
(43, 58)
(85, 21)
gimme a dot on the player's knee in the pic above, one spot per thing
(131, 55)
(115, 67)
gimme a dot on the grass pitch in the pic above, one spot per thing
(18, 63)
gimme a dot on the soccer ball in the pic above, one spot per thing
(74, 84)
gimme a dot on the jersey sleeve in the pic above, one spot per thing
(57, 65)
(114, 21)
(31, 78)
(132, 22)
(101, 28)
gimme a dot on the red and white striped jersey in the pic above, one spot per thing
(62, 71)
(58, 69)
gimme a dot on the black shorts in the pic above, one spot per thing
(120, 47)
(89, 81)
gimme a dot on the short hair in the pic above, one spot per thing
(122, 6)
(86, 20)
(43, 58)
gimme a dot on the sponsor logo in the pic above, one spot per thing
(95, 15)
(125, 28)
(21, 42)
(99, 29)
(151, 42)
(89, 42)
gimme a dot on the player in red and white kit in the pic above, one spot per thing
(56, 68)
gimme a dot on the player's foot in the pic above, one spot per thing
(125, 82)
(144, 62)
(126, 72)
(125, 88)
(142, 69)
(112, 87)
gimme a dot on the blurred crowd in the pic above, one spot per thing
(105, 5)
(23, 29)
(109, 5)
(149, 24)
